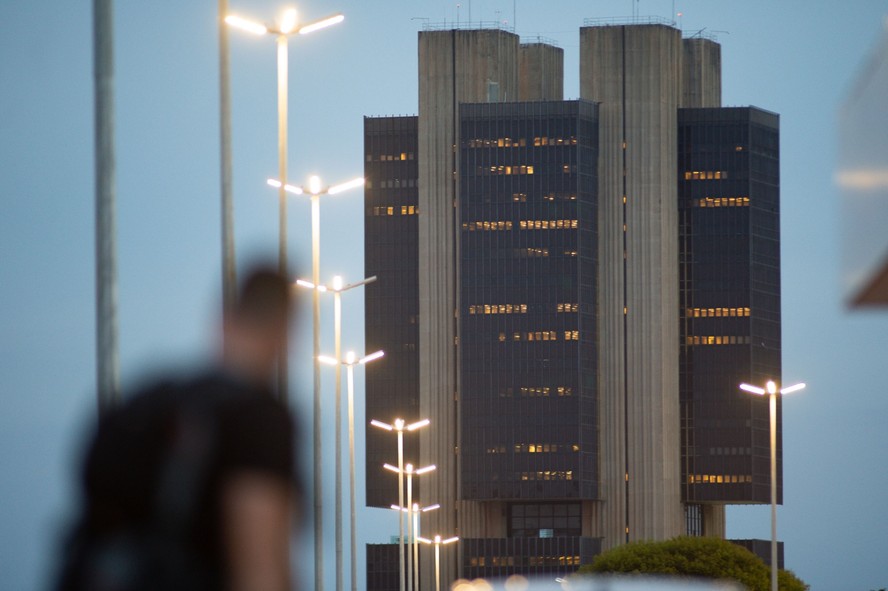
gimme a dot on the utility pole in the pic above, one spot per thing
(106, 216)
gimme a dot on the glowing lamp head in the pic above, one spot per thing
(771, 387)
(399, 424)
(287, 21)
(337, 283)
(314, 184)
(350, 357)
(437, 539)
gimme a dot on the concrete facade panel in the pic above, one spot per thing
(455, 66)
(541, 72)
(701, 73)
(635, 73)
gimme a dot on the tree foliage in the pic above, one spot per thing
(694, 557)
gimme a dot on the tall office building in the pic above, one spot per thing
(555, 269)
(729, 199)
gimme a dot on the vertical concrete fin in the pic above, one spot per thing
(540, 72)
(701, 75)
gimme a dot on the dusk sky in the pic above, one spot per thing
(798, 59)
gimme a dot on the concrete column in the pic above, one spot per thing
(540, 72)
(635, 73)
(701, 73)
(455, 66)
(714, 521)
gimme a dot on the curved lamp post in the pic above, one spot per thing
(350, 362)
(438, 542)
(771, 390)
(399, 426)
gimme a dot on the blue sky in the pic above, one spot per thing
(798, 59)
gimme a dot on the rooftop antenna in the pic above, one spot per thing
(457, 14)
(515, 15)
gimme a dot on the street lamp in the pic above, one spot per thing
(286, 25)
(315, 190)
(349, 363)
(398, 427)
(438, 542)
(409, 471)
(414, 511)
(771, 390)
(336, 288)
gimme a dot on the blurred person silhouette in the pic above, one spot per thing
(193, 484)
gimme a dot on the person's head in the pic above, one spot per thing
(256, 327)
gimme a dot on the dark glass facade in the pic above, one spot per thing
(500, 558)
(527, 301)
(729, 190)
(383, 567)
(392, 302)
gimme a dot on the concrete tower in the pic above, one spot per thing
(635, 73)
(455, 66)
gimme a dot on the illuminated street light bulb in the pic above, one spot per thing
(287, 21)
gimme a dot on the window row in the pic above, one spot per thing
(500, 225)
(548, 475)
(390, 157)
(716, 312)
(551, 196)
(719, 478)
(393, 184)
(544, 335)
(722, 202)
(503, 169)
(508, 142)
(498, 309)
(517, 308)
(705, 175)
(530, 560)
(536, 391)
(540, 448)
(717, 340)
(384, 210)
(547, 224)
(730, 451)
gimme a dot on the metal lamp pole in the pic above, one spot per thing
(337, 288)
(350, 362)
(414, 511)
(315, 191)
(409, 471)
(438, 542)
(286, 26)
(771, 390)
(399, 426)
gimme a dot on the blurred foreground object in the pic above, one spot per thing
(862, 177)
(599, 583)
(191, 484)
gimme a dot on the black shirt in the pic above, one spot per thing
(159, 462)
